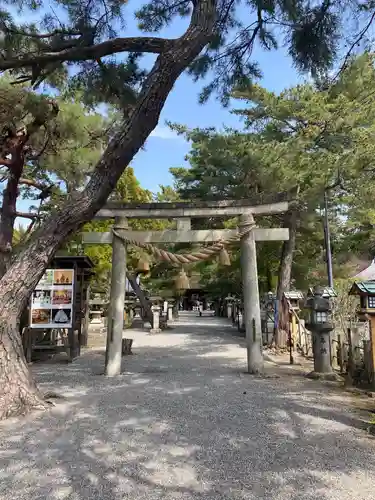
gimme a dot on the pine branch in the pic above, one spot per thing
(34, 184)
(355, 44)
(40, 121)
(16, 140)
(33, 222)
(41, 36)
(25, 215)
(36, 156)
(151, 45)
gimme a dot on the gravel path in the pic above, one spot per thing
(184, 422)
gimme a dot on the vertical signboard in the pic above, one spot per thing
(52, 300)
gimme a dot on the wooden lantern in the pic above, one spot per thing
(294, 299)
(366, 292)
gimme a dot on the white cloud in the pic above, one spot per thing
(163, 132)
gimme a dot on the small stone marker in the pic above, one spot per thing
(170, 312)
(156, 319)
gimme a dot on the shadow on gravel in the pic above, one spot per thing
(183, 423)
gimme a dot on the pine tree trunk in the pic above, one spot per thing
(269, 277)
(285, 275)
(8, 210)
(141, 296)
(18, 393)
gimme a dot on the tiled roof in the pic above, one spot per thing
(367, 274)
(363, 287)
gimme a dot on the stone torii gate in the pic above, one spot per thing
(183, 213)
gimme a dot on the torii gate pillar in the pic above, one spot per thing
(252, 321)
(117, 299)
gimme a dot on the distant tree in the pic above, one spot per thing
(128, 189)
(167, 194)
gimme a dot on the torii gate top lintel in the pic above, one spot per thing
(257, 205)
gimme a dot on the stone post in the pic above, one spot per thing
(117, 299)
(170, 312)
(156, 319)
(240, 320)
(229, 310)
(255, 362)
(322, 358)
(235, 312)
(175, 314)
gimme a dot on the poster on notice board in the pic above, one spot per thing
(52, 300)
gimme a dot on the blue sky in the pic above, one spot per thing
(164, 149)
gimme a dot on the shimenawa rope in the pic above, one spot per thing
(187, 258)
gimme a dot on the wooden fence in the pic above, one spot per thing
(351, 353)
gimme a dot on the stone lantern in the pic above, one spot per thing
(236, 310)
(320, 324)
(229, 300)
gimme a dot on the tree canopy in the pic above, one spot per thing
(128, 189)
(316, 140)
(86, 36)
(49, 147)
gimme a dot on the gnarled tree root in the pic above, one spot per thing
(21, 403)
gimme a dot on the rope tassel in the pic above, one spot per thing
(143, 265)
(182, 281)
(224, 259)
